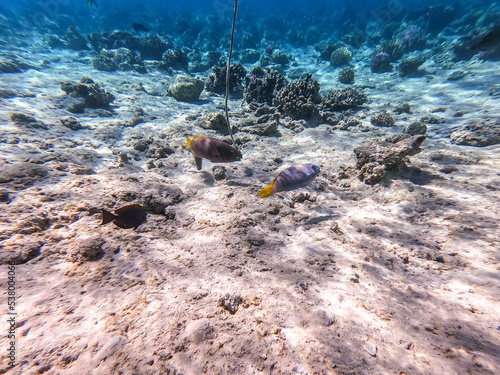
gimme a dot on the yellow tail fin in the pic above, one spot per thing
(188, 143)
(266, 192)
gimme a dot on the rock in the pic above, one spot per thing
(381, 63)
(279, 57)
(71, 123)
(9, 66)
(249, 56)
(375, 158)
(264, 125)
(7, 93)
(481, 133)
(20, 251)
(22, 175)
(214, 121)
(200, 331)
(27, 121)
(456, 75)
(416, 128)
(402, 108)
(4, 197)
(88, 249)
(186, 89)
(230, 302)
(324, 318)
(383, 118)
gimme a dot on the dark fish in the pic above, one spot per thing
(90, 2)
(212, 149)
(488, 41)
(139, 27)
(291, 178)
(126, 217)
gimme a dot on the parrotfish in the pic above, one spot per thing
(212, 149)
(126, 217)
(291, 178)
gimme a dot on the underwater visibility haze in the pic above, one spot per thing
(326, 203)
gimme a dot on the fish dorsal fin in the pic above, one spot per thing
(107, 217)
(126, 208)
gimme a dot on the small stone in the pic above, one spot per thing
(230, 302)
(456, 75)
(71, 123)
(383, 119)
(449, 169)
(403, 108)
(88, 250)
(219, 172)
(371, 349)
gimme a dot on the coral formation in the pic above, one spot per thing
(480, 133)
(118, 59)
(383, 119)
(325, 50)
(174, 59)
(381, 63)
(394, 48)
(280, 57)
(414, 38)
(249, 56)
(93, 95)
(346, 98)
(217, 80)
(346, 75)
(262, 84)
(341, 56)
(409, 66)
(299, 99)
(416, 128)
(75, 40)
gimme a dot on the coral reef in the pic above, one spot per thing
(201, 62)
(174, 59)
(414, 38)
(217, 80)
(14, 65)
(262, 84)
(394, 48)
(381, 63)
(75, 40)
(375, 158)
(480, 133)
(346, 98)
(383, 119)
(186, 89)
(118, 59)
(341, 56)
(93, 95)
(325, 50)
(150, 46)
(402, 108)
(409, 66)
(346, 75)
(280, 57)
(249, 56)
(299, 99)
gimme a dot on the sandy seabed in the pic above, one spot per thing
(337, 278)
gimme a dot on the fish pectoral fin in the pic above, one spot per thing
(107, 217)
(198, 162)
(266, 192)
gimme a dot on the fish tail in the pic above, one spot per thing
(107, 217)
(267, 192)
(188, 143)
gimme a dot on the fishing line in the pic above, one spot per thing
(227, 70)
